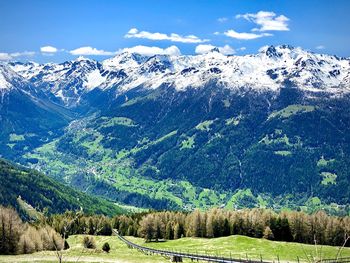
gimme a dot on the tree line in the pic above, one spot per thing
(318, 228)
(51, 231)
(290, 226)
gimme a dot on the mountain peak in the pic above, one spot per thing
(215, 49)
(267, 70)
(82, 58)
(124, 60)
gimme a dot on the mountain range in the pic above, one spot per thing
(263, 130)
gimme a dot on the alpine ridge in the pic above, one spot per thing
(269, 70)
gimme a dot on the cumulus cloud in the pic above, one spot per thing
(150, 51)
(9, 56)
(267, 21)
(245, 36)
(48, 49)
(203, 49)
(320, 47)
(135, 33)
(222, 19)
(227, 50)
(90, 51)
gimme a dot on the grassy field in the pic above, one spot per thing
(238, 246)
(243, 247)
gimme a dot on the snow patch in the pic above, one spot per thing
(3, 83)
(94, 80)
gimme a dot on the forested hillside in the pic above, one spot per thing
(21, 186)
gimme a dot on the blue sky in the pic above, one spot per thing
(55, 31)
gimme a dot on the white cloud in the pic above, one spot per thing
(227, 50)
(5, 56)
(48, 49)
(90, 51)
(222, 19)
(134, 33)
(203, 49)
(320, 47)
(150, 51)
(268, 21)
(21, 54)
(9, 56)
(245, 36)
(216, 33)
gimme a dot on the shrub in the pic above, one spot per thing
(89, 242)
(268, 234)
(106, 247)
(50, 238)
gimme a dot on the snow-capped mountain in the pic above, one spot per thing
(10, 81)
(214, 121)
(66, 81)
(8, 78)
(269, 70)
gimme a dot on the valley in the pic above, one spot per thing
(172, 146)
(175, 131)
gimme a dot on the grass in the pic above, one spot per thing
(111, 122)
(31, 211)
(15, 137)
(234, 120)
(323, 162)
(291, 110)
(188, 143)
(205, 125)
(119, 253)
(243, 247)
(272, 139)
(237, 246)
(328, 178)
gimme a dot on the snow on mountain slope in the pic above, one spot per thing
(268, 70)
(9, 79)
(93, 79)
(66, 81)
(4, 84)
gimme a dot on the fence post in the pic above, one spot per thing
(278, 258)
(261, 258)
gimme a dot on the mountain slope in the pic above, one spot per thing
(269, 130)
(204, 147)
(27, 117)
(41, 192)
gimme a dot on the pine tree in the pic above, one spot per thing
(169, 231)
